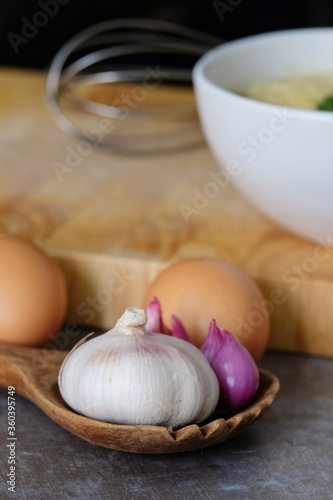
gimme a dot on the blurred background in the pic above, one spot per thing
(33, 31)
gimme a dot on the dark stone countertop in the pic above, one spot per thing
(286, 454)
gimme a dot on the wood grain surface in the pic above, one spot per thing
(113, 221)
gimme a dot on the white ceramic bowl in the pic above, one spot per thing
(280, 158)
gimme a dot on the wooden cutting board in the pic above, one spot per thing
(113, 221)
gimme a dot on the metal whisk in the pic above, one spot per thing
(100, 85)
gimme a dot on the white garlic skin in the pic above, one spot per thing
(128, 376)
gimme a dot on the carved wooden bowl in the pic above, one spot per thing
(34, 373)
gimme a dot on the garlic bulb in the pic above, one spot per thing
(129, 376)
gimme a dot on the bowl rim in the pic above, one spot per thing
(200, 77)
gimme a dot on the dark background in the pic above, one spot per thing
(243, 17)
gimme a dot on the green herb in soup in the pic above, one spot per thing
(326, 104)
(305, 92)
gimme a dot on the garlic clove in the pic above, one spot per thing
(237, 373)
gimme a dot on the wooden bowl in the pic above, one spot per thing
(34, 374)
(158, 440)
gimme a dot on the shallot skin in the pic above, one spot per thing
(155, 323)
(236, 371)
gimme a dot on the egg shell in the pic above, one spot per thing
(198, 290)
(33, 293)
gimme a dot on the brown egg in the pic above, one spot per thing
(201, 289)
(33, 293)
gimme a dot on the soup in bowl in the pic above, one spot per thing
(278, 149)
